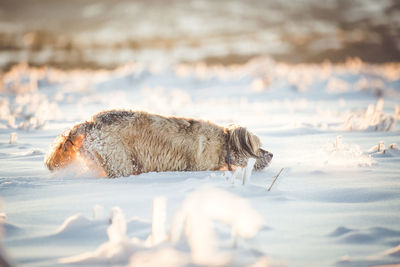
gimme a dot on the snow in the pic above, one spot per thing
(333, 128)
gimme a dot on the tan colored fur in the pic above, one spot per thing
(123, 143)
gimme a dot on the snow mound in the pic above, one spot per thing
(341, 154)
(195, 219)
(116, 250)
(9, 229)
(362, 236)
(79, 226)
(380, 150)
(393, 252)
(341, 230)
(388, 258)
(73, 224)
(6, 228)
(373, 119)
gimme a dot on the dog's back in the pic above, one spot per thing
(123, 143)
(155, 143)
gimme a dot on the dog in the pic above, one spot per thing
(124, 143)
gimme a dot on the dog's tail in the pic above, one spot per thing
(243, 141)
(66, 146)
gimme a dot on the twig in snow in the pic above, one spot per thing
(276, 177)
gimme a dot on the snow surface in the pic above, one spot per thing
(332, 128)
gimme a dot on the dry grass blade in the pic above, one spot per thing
(276, 177)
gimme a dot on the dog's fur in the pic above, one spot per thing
(123, 143)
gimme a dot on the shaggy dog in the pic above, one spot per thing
(123, 143)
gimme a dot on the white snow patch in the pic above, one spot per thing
(195, 218)
(341, 154)
(98, 212)
(158, 232)
(243, 174)
(167, 257)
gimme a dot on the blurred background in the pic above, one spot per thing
(105, 34)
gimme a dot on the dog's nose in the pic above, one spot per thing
(270, 154)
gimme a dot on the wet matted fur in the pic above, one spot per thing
(123, 143)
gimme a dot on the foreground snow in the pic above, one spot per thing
(332, 128)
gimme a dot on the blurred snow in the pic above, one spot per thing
(33, 97)
(197, 215)
(5, 259)
(332, 127)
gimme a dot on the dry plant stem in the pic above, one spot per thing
(276, 177)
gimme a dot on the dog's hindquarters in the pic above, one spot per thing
(66, 147)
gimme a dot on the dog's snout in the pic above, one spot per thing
(266, 154)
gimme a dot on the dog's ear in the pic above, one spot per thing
(244, 141)
(68, 144)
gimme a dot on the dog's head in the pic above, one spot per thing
(263, 160)
(245, 145)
